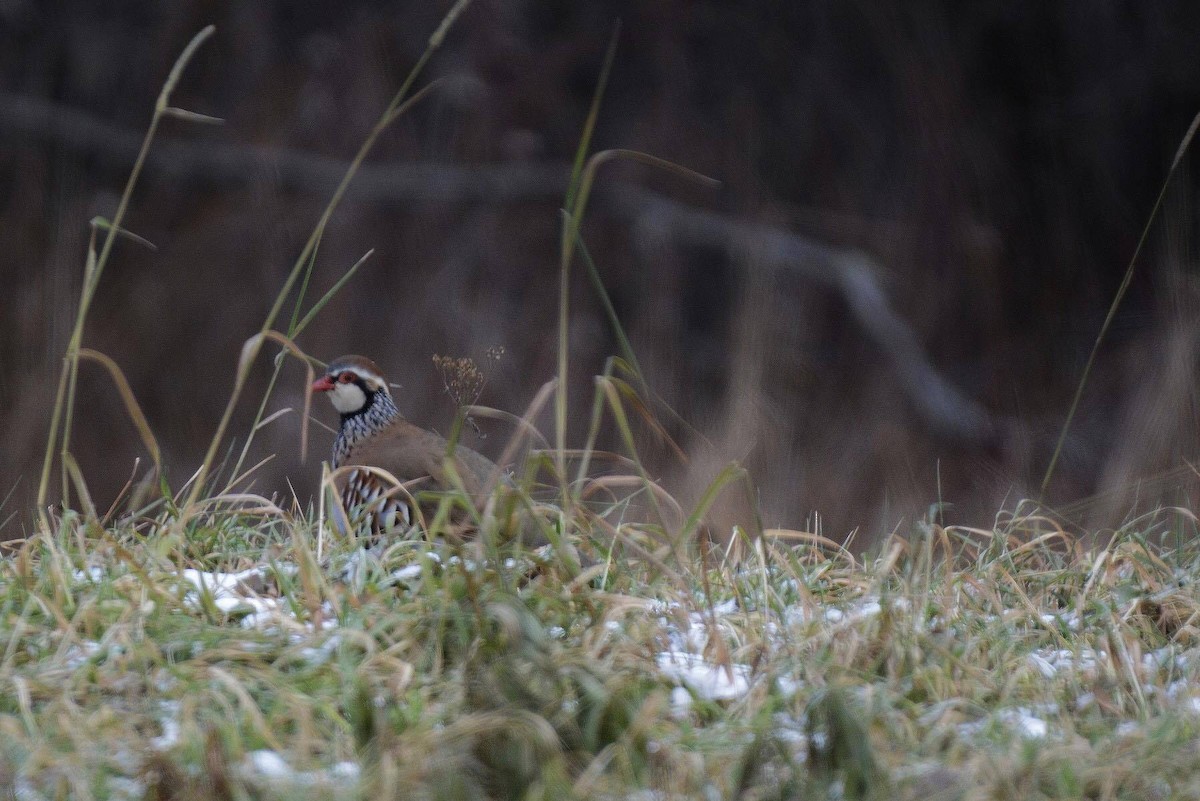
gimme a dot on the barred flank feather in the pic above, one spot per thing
(371, 507)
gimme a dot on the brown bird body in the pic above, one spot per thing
(374, 434)
(410, 452)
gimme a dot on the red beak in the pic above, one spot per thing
(322, 384)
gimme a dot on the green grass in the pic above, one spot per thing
(971, 664)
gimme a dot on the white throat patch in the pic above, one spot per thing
(347, 398)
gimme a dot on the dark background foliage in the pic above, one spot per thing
(994, 162)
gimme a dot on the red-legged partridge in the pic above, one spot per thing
(374, 434)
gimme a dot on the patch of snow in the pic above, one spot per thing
(236, 593)
(320, 654)
(269, 765)
(790, 730)
(169, 720)
(1044, 666)
(23, 790)
(725, 607)
(681, 700)
(1021, 720)
(1183, 693)
(80, 653)
(122, 787)
(407, 573)
(788, 686)
(93, 575)
(1051, 661)
(1068, 619)
(1025, 723)
(1166, 656)
(861, 609)
(704, 678)
(870, 609)
(1127, 728)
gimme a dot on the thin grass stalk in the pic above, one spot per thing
(631, 361)
(71, 366)
(92, 276)
(608, 387)
(611, 312)
(593, 429)
(570, 226)
(1116, 302)
(266, 398)
(295, 327)
(729, 474)
(328, 296)
(578, 190)
(589, 123)
(308, 271)
(394, 110)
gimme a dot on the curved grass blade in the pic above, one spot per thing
(131, 405)
(95, 267)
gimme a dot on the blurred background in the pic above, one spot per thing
(924, 213)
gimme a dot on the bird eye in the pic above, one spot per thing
(346, 377)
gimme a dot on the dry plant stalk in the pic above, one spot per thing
(464, 381)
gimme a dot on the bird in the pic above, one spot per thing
(374, 434)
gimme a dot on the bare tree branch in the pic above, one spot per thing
(851, 274)
(218, 164)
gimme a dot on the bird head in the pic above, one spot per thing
(352, 382)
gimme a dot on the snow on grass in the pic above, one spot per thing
(270, 767)
(706, 679)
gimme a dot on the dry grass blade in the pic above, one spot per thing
(243, 477)
(636, 481)
(589, 124)
(730, 474)
(328, 296)
(612, 393)
(104, 225)
(1116, 303)
(251, 349)
(131, 405)
(271, 418)
(192, 116)
(232, 500)
(521, 423)
(571, 210)
(787, 534)
(81, 489)
(95, 266)
(526, 428)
